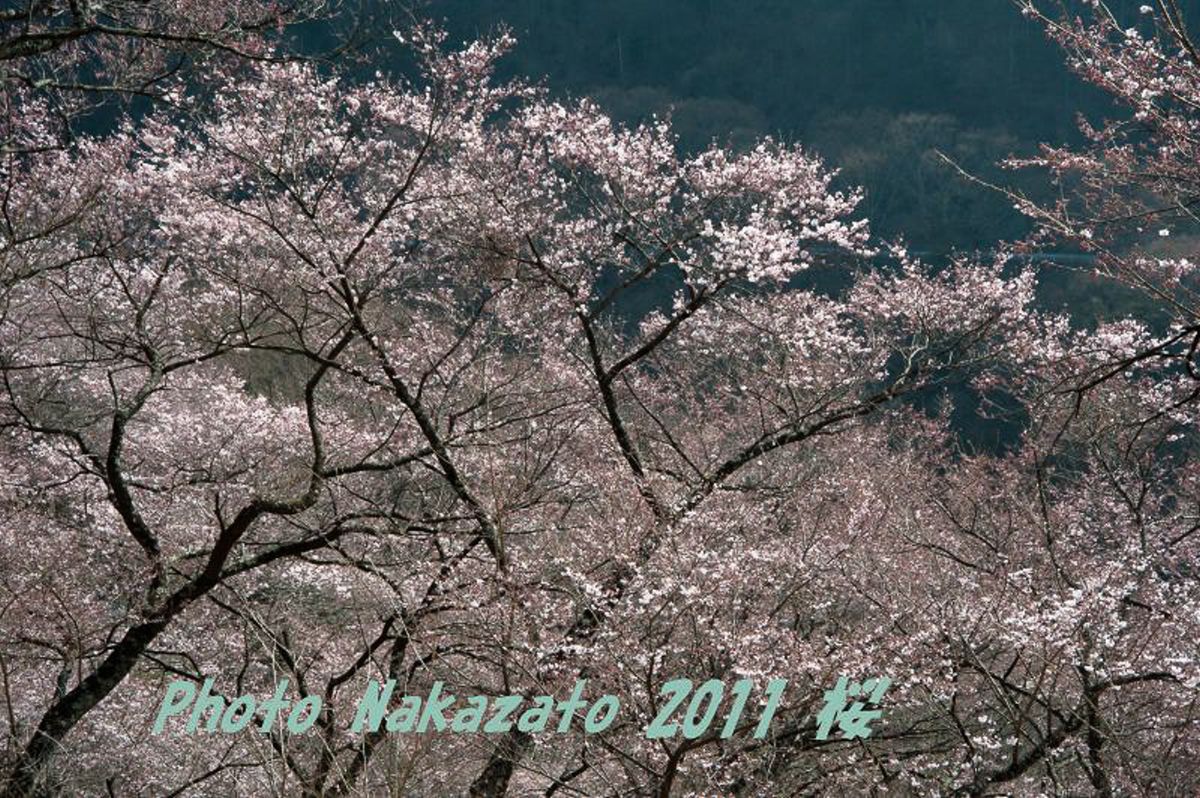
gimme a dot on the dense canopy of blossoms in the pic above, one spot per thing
(442, 379)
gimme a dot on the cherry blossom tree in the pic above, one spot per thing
(1128, 196)
(440, 379)
(1109, 455)
(62, 60)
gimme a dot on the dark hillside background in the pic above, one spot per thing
(873, 85)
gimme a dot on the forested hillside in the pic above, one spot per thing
(873, 85)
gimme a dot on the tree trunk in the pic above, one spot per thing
(493, 781)
(25, 781)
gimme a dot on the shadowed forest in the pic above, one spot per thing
(873, 86)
